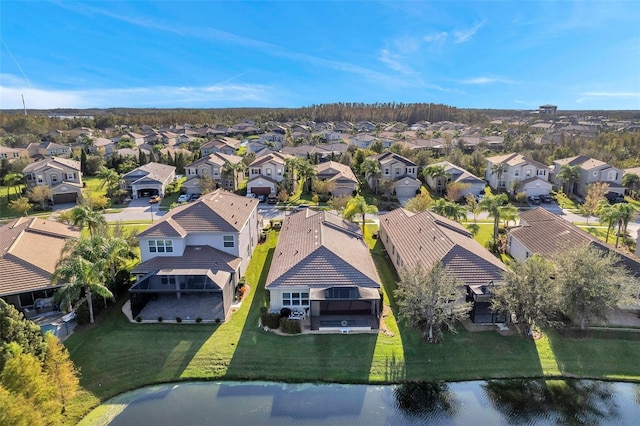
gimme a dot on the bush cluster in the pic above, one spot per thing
(271, 320)
(290, 326)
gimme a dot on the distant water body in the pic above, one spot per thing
(494, 402)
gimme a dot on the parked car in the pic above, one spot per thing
(250, 195)
(261, 198)
(534, 199)
(154, 199)
(615, 198)
(300, 207)
(546, 198)
(272, 199)
(194, 197)
(183, 198)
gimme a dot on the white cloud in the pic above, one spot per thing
(394, 61)
(219, 95)
(588, 96)
(466, 35)
(486, 80)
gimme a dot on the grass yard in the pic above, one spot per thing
(116, 356)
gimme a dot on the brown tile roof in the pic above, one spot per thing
(318, 250)
(542, 232)
(51, 162)
(334, 170)
(29, 250)
(218, 211)
(428, 238)
(195, 258)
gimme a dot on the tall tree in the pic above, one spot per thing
(498, 170)
(448, 209)
(40, 194)
(492, 204)
(472, 205)
(358, 205)
(431, 299)
(340, 203)
(83, 216)
(60, 370)
(595, 194)
(306, 172)
(607, 215)
(110, 179)
(624, 212)
(369, 167)
(591, 283)
(419, 203)
(20, 206)
(439, 174)
(631, 181)
(529, 293)
(12, 180)
(569, 175)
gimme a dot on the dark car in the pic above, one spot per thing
(546, 198)
(194, 197)
(615, 198)
(534, 199)
(272, 199)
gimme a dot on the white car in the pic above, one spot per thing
(183, 198)
(250, 195)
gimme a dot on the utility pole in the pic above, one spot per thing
(23, 105)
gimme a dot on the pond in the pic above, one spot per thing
(527, 401)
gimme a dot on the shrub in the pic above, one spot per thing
(290, 326)
(178, 319)
(138, 319)
(521, 197)
(159, 319)
(285, 312)
(198, 320)
(270, 320)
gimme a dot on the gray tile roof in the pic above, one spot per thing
(29, 250)
(154, 171)
(194, 258)
(319, 250)
(218, 211)
(542, 232)
(51, 162)
(428, 238)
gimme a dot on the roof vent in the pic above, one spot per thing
(295, 252)
(434, 238)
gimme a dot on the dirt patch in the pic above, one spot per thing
(386, 311)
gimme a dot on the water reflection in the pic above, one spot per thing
(428, 400)
(572, 402)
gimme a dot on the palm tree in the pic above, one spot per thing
(498, 170)
(358, 205)
(508, 213)
(439, 174)
(448, 209)
(79, 272)
(306, 171)
(624, 212)
(110, 179)
(370, 167)
(233, 170)
(83, 216)
(631, 181)
(607, 215)
(492, 204)
(13, 180)
(569, 175)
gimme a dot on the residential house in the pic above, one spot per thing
(273, 137)
(149, 179)
(426, 238)
(322, 268)
(518, 172)
(12, 154)
(266, 172)
(542, 232)
(48, 149)
(399, 169)
(62, 175)
(219, 145)
(591, 171)
(103, 146)
(474, 185)
(345, 180)
(193, 258)
(213, 166)
(30, 247)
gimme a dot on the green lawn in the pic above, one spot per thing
(115, 356)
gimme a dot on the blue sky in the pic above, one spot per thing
(196, 54)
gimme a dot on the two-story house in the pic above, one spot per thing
(266, 172)
(474, 185)
(62, 175)
(224, 145)
(591, 171)
(515, 172)
(399, 169)
(341, 175)
(193, 258)
(149, 179)
(48, 149)
(226, 169)
(12, 154)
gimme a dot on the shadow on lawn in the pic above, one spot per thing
(297, 358)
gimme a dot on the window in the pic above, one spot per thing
(228, 240)
(542, 172)
(216, 172)
(54, 179)
(528, 172)
(279, 172)
(295, 299)
(397, 170)
(3, 155)
(516, 172)
(612, 175)
(70, 176)
(386, 170)
(255, 171)
(160, 246)
(39, 179)
(269, 172)
(168, 279)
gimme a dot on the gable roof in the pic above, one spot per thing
(458, 173)
(218, 211)
(217, 158)
(389, 157)
(55, 162)
(320, 250)
(154, 171)
(29, 250)
(542, 232)
(427, 238)
(514, 159)
(334, 170)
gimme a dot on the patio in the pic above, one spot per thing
(189, 307)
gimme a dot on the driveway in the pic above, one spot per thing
(138, 209)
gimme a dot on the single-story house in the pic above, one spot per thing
(149, 179)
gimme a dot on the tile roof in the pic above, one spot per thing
(194, 258)
(154, 171)
(52, 162)
(319, 250)
(218, 211)
(217, 158)
(334, 170)
(428, 238)
(388, 157)
(29, 250)
(542, 232)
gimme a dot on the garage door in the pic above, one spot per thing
(71, 197)
(147, 192)
(405, 191)
(261, 190)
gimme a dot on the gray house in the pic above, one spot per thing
(150, 179)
